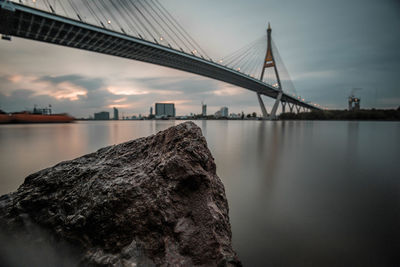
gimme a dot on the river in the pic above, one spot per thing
(301, 193)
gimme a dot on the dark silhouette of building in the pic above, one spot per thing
(354, 103)
(165, 110)
(116, 114)
(203, 109)
(104, 115)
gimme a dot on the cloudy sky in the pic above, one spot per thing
(329, 47)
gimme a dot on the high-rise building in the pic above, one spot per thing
(104, 115)
(223, 112)
(151, 111)
(203, 110)
(354, 103)
(165, 110)
(116, 114)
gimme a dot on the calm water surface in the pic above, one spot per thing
(300, 193)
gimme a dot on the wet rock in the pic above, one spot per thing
(151, 201)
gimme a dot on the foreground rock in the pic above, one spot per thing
(150, 201)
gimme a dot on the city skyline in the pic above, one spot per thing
(326, 56)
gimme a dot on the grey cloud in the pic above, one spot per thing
(22, 99)
(26, 99)
(3, 79)
(97, 96)
(194, 85)
(86, 82)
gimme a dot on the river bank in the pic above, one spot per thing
(363, 114)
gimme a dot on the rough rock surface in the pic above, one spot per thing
(151, 201)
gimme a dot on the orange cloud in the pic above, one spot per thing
(67, 90)
(121, 90)
(120, 100)
(15, 78)
(227, 90)
(124, 90)
(64, 90)
(120, 106)
(176, 102)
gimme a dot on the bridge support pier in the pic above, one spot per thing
(263, 109)
(291, 107)
(272, 116)
(298, 108)
(283, 106)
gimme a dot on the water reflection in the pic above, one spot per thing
(270, 139)
(300, 193)
(204, 127)
(352, 139)
(163, 124)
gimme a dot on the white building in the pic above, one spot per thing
(223, 112)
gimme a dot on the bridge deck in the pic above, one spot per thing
(27, 22)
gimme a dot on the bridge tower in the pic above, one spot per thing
(269, 62)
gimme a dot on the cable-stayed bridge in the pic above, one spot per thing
(145, 30)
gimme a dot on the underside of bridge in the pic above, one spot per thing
(30, 23)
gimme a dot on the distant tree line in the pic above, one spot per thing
(364, 114)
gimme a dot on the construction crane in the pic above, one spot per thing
(354, 102)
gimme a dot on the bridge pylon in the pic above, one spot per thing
(269, 62)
